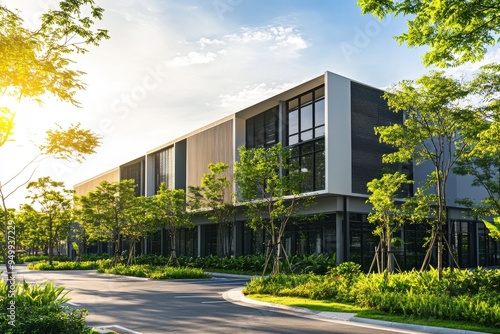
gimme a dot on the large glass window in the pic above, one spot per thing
(262, 129)
(306, 116)
(164, 168)
(306, 135)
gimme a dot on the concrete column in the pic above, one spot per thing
(339, 237)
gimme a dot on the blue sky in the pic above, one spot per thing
(171, 67)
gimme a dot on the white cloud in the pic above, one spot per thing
(203, 42)
(493, 56)
(273, 37)
(192, 58)
(253, 94)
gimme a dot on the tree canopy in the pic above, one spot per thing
(35, 61)
(455, 31)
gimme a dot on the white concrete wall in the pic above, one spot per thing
(338, 130)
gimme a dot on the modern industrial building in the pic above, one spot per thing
(330, 121)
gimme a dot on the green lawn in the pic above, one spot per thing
(331, 306)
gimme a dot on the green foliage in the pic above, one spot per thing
(155, 272)
(269, 186)
(386, 213)
(170, 211)
(93, 257)
(105, 213)
(461, 295)
(54, 214)
(81, 265)
(34, 258)
(436, 131)
(40, 309)
(318, 264)
(215, 200)
(71, 144)
(454, 32)
(35, 61)
(6, 124)
(493, 227)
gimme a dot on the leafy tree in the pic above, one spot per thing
(483, 160)
(170, 211)
(270, 188)
(35, 62)
(104, 212)
(211, 196)
(72, 140)
(485, 87)
(432, 134)
(386, 213)
(455, 31)
(54, 206)
(139, 223)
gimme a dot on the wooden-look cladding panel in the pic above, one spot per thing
(89, 185)
(210, 146)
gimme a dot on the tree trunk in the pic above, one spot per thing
(116, 256)
(173, 253)
(277, 255)
(440, 251)
(51, 242)
(390, 268)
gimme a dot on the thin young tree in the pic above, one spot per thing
(170, 211)
(215, 199)
(53, 202)
(431, 133)
(103, 212)
(139, 223)
(270, 188)
(386, 214)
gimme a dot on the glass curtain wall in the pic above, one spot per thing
(305, 119)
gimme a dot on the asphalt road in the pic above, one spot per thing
(181, 306)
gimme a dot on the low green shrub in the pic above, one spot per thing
(154, 272)
(87, 265)
(39, 309)
(93, 257)
(177, 273)
(34, 258)
(461, 295)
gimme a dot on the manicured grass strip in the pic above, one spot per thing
(312, 304)
(331, 306)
